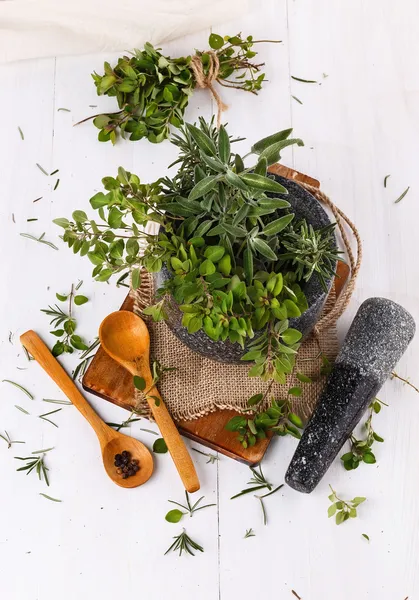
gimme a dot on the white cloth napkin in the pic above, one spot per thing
(39, 28)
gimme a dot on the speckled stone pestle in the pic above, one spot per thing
(376, 340)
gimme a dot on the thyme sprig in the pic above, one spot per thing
(360, 450)
(343, 509)
(64, 322)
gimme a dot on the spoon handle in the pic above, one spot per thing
(174, 442)
(41, 353)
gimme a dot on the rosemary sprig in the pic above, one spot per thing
(249, 533)
(127, 423)
(262, 505)
(8, 440)
(85, 359)
(40, 240)
(22, 409)
(400, 198)
(149, 431)
(20, 387)
(45, 415)
(42, 169)
(35, 464)
(303, 80)
(212, 458)
(184, 543)
(43, 451)
(175, 515)
(258, 479)
(49, 497)
(53, 401)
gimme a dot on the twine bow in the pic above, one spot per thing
(206, 80)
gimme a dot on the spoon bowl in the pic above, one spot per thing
(116, 445)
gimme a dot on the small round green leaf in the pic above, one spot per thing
(159, 446)
(174, 516)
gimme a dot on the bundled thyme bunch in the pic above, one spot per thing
(153, 91)
(220, 240)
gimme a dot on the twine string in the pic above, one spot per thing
(206, 81)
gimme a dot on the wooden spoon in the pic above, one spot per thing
(111, 442)
(124, 336)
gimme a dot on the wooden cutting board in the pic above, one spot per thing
(107, 379)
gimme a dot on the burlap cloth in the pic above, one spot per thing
(199, 385)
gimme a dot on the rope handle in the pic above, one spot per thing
(355, 264)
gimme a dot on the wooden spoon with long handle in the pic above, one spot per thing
(111, 442)
(125, 337)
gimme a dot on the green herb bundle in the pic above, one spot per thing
(221, 240)
(153, 91)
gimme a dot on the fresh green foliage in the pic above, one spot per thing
(361, 450)
(35, 464)
(8, 440)
(223, 240)
(160, 446)
(19, 387)
(277, 418)
(212, 458)
(153, 91)
(184, 543)
(65, 324)
(175, 515)
(249, 533)
(343, 509)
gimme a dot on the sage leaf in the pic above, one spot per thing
(260, 182)
(264, 143)
(278, 225)
(203, 187)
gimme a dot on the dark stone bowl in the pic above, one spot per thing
(305, 206)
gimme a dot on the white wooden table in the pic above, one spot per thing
(360, 124)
